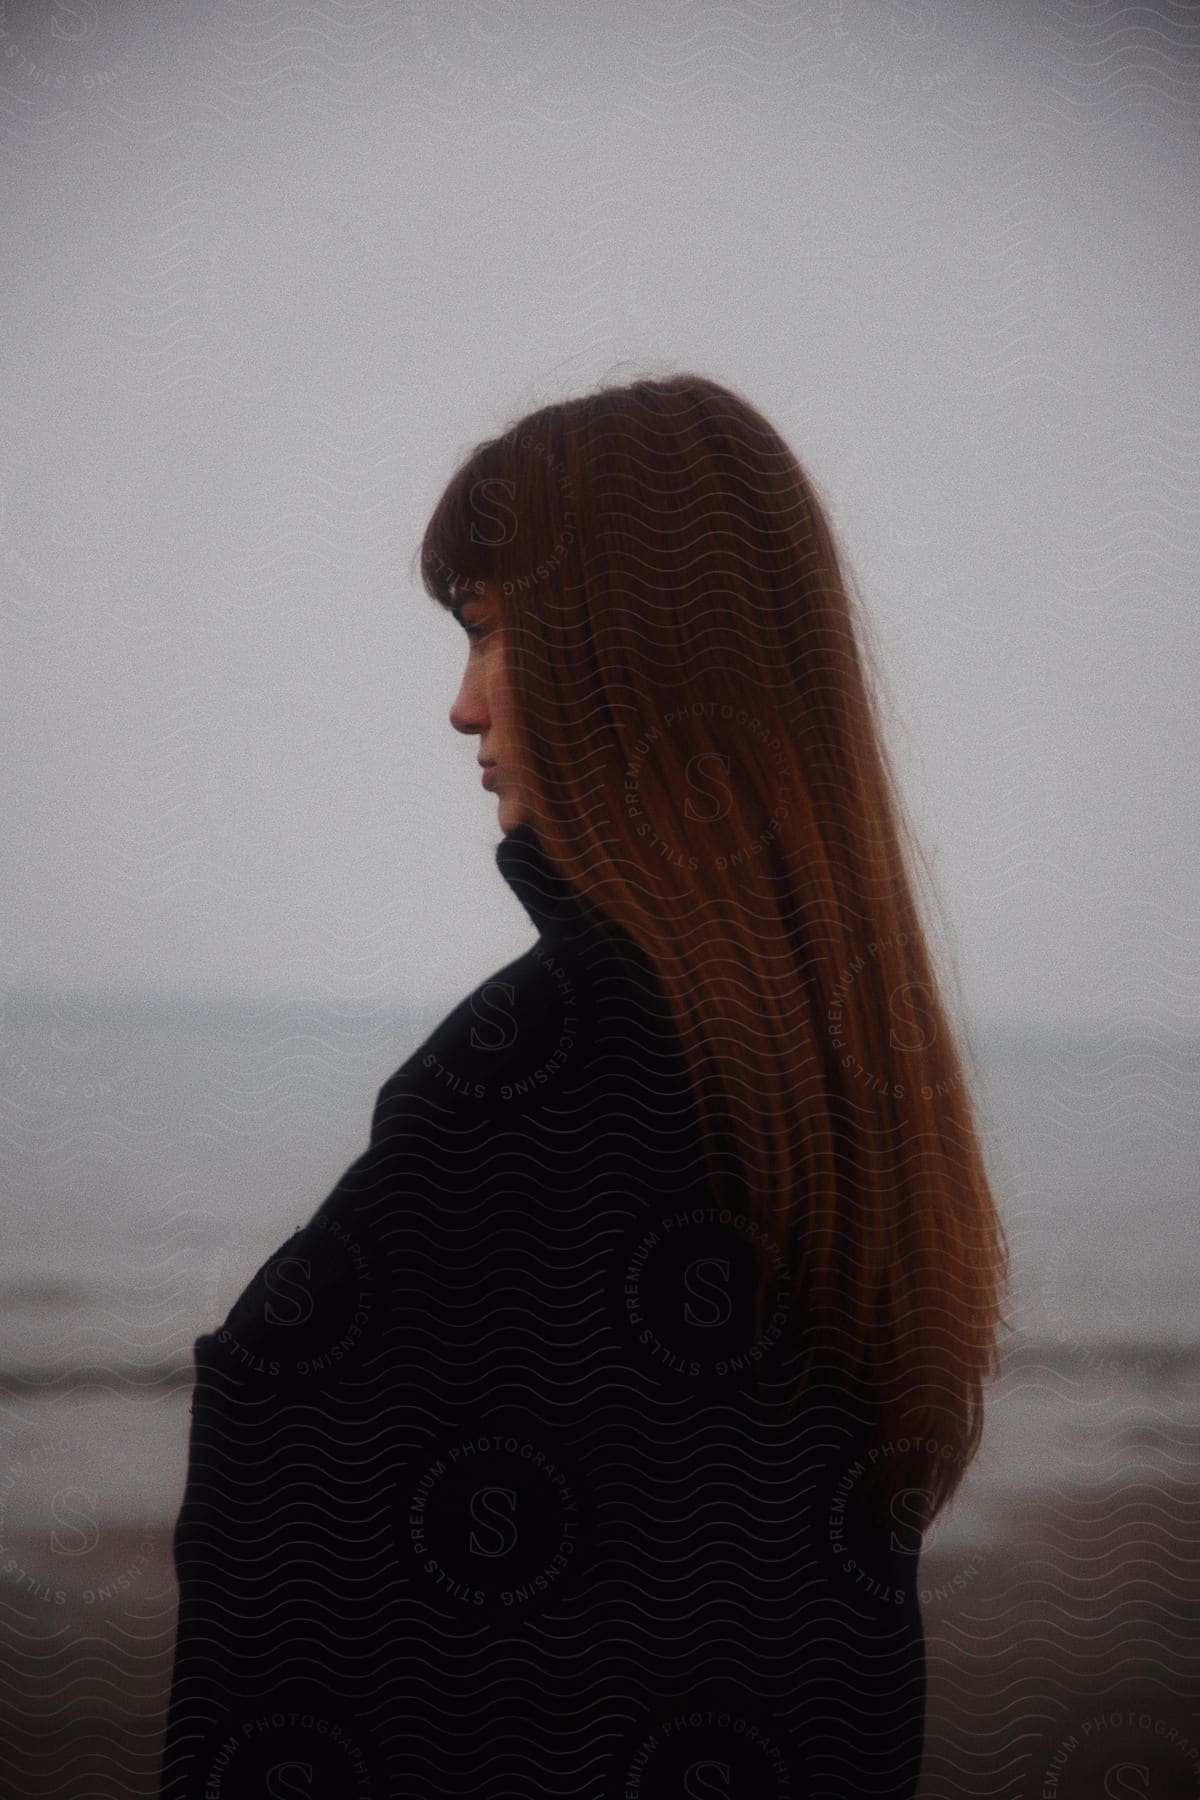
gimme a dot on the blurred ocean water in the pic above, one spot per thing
(152, 1157)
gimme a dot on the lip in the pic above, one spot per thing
(488, 777)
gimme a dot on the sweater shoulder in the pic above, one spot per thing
(535, 1080)
(520, 1033)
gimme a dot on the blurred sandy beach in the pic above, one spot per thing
(1064, 1657)
(1061, 1591)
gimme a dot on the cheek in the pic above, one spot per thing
(496, 689)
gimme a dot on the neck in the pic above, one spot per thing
(556, 908)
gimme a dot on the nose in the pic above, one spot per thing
(468, 712)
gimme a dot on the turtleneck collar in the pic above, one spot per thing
(556, 908)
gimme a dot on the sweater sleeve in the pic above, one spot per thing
(258, 1539)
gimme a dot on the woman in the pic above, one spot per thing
(583, 1441)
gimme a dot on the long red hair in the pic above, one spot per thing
(689, 668)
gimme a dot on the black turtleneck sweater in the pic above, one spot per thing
(482, 1497)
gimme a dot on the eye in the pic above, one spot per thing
(475, 632)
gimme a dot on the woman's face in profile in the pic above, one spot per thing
(482, 705)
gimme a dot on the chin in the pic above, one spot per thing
(508, 815)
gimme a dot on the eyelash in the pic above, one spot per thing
(475, 631)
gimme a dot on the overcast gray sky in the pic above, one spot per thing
(268, 272)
